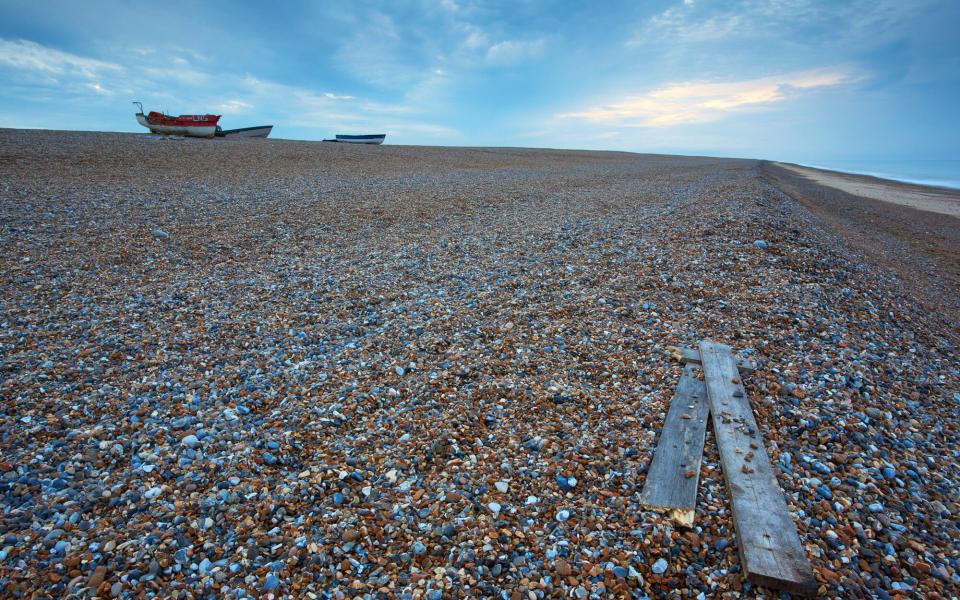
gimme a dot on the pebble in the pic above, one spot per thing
(566, 484)
(271, 582)
(659, 567)
(97, 577)
(341, 360)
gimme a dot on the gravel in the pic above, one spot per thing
(428, 372)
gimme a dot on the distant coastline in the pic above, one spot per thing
(936, 173)
(940, 199)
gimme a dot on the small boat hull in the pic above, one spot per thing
(260, 131)
(362, 139)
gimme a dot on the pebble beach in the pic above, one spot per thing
(278, 369)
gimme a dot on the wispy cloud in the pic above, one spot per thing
(696, 102)
(473, 36)
(690, 22)
(32, 57)
(389, 60)
(39, 70)
(99, 89)
(512, 51)
(327, 112)
(681, 25)
(234, 106)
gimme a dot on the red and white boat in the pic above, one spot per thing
(191, 125)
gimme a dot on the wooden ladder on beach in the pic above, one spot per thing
(770, 551)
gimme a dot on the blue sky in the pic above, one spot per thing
(802, 80)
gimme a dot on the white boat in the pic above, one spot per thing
(260, 131)
(375, 138)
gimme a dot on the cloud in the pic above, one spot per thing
(473, 36)
(181, 75)
(388, 60)
(234, 106)
(96, 87)
(695, 102)
(31, 56)
(806, 20)
(40, 71)
(449, 5)
(328, 113)
(513, 51)
(678, 24)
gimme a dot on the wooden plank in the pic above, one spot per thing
(691, 356)
(770, 549)
(671, 484)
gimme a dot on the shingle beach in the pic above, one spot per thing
(240, 369)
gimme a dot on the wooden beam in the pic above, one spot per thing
(671, 484)
(691, 356)
(770, 551)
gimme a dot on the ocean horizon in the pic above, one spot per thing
(939, 173)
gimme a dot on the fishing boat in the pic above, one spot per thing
(375, 138)
(260, 131)
(190, 125)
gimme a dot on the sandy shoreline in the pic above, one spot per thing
(237, 368)
(921, 247)
(934, 199)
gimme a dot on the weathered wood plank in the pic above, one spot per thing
(691, 356)
(770, 549)
(671, 484)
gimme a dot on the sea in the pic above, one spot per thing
(941, 173)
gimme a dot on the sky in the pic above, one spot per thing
(800, 80)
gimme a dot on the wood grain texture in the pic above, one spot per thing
(691, 356)
(679, 452)
(770, 549)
